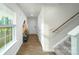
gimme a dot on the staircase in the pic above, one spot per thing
(60, 41)
(64, 48)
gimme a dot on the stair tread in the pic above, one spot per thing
(64, 48)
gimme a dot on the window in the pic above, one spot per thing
(5, 31)
(7, 28)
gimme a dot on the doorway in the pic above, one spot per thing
(32, 25)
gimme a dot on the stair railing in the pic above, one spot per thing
(65, 22)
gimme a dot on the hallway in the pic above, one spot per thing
(31, 47)
(56, 26)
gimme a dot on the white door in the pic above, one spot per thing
(32, 25)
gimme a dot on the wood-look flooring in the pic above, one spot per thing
(31, 47)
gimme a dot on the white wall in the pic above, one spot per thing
(41, 29)
(32, 25)
(53, 16)
(20, 17)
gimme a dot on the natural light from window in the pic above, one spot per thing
(7, 28)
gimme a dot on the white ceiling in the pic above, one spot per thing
(33, 9)
(30, 9)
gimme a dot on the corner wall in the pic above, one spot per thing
(42, 28)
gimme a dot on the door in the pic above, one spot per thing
(32, 25)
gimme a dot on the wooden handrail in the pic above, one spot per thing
(66, 21)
